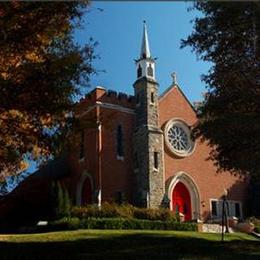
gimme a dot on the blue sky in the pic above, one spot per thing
(118, 29)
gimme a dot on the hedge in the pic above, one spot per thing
(119, 223)
(112, 210)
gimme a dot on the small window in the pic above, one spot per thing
(156, 160)
(237, 210)
(150, 70)
(139, 71)
(152, 97)
(119, 197)
(214, 211)
(82, 145)
(119, 137)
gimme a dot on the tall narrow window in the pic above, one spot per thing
(150, 70)
(214, 210)
(120, 196)
(152, 97)
(139, 71)
(119, 137)
(237, 210)
(156, 160)
(82, 145)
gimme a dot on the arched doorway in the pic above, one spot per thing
(84, 191)
(86, 194)
(182, 189)
(181, 201)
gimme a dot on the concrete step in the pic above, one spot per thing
(214, 228)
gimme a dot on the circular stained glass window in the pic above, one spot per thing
(178, 139)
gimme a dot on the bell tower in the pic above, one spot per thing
(148, 137)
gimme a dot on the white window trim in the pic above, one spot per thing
(219, 214)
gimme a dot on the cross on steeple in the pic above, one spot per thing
(174, 78)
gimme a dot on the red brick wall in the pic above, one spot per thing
(116, 175)
(210, 183)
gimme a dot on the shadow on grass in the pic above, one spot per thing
(130, 247)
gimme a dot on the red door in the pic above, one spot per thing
(181, 201)
(86, 192)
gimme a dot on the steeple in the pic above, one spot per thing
(145, 65)
(148, 137)
(145, 50)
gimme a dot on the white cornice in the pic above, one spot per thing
(108, 106)
(116, 107)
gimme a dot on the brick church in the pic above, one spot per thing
(139, 150)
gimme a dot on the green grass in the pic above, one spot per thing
(130, 244)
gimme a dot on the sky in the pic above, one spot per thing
(118, 29)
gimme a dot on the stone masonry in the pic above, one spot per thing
(148, 143)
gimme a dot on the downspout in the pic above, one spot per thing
(99, 159)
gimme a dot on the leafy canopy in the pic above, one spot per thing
(228, 36)
(41, 70)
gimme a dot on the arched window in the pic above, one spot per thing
(139, 71)
(119, 141)
(86, 193)
(82, 145)
(150, 70)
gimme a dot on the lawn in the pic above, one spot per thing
(130, 244)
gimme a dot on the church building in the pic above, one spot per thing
(138, 149)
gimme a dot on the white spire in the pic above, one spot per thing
(145, 50)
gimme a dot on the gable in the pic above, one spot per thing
(174, 104)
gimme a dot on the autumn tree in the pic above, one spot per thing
(41, 70)
(228, 36)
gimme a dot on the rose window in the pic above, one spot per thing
(177, 137)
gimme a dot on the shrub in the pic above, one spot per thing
(79, 212)
(65, 223)
(154, 214)
(61, 204)
(120, 223)
(255, 221)
(123, 211)
(126, 211)
(257, 229)
(109, 210)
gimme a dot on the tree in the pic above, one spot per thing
(229, 117)
(41, 71)
(61, 203)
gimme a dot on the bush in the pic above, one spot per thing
(126, 211)
(61, 204)
(107, 211)
(154, 214)
(123, 211)
(255, 221)
(65, 223)
(257, 229)
(120, 223)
